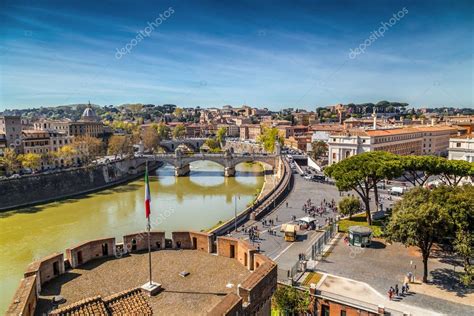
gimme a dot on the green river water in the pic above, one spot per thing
(187, 203)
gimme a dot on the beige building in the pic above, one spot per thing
(88, 125)
(11, 126)
(250, 131)
(423, 140)
(462, 148)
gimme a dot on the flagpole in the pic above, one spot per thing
(148, 229)
(235, 213)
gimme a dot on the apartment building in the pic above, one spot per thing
(250, 131)
(462, 148)
(423, 140)
(436, 139)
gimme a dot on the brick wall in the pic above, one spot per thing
(201, 241)
(238, 249)
(192, 240)
(258, 288)
(139, 241)
(231, 305)
(24, 301)
(46, 268)
(336, 308)
(90, 250)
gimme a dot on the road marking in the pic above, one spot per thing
(283, 251)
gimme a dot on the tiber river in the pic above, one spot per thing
(187, 203)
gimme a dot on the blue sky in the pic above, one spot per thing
(212, 53)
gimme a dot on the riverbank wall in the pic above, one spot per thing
(43, 188)
(264, 204)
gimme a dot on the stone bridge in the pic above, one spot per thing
(181, 160)
(194, 144)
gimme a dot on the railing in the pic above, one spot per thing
(210, 155)
(262, 206)
(313, 252)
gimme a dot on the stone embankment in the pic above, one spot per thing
(265, 203)
(41, 188)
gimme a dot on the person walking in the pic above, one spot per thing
(390, 293)
(403, 290)
(286, 204)
(396, 290)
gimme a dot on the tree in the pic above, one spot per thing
(120, 145)
(362, 172)
(349, 205)
(66, 154)
(10, 161)
(452, 171)
(178, 112)
(220, 135)
(418, 220)
(30, 161)
(269, 137)
(88, 148)
(291, 300)
(150, 138)
(179, 131)
(418, 169)
(213, 145)
(459, 203)
(164, 131)
(319, 149)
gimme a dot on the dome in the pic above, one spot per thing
(89, 114)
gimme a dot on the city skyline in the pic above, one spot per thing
(271, 55)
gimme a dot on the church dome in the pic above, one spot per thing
(89, 114)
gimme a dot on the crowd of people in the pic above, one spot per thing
(325, 206)
(395, 291)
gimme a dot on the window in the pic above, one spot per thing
(458, 145)
(343, 313)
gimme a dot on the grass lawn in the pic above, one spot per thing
(360, 221)
(312, 277)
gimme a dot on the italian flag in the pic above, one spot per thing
(147, 194)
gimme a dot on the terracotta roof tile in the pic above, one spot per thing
(130, 302)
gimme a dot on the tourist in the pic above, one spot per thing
(396, 290)
(276, 218)
(287, 204)
(390, 293)
(407, 288)
(403, 290)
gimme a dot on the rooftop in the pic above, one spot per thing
(201, 290)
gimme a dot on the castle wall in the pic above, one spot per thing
(254, 294)
(258, 288)
(203, 241)
(88, 251)
(235, 248)
(25, 299)
(231, 305)
(139, 241)
(46, 268)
